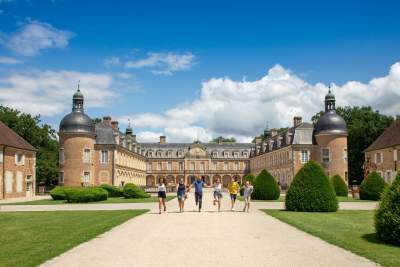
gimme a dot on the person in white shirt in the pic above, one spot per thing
(248, 189)
(162, 194)
(217, 193)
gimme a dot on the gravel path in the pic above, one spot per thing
(206, 239)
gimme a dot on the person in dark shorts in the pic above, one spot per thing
(198, 191)
(162, 194)
(234, 188)
(181, 194)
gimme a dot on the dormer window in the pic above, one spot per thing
(215, 154)
(169, 154)
(150, 154)
(236, 154)
(226, 154)
(159, 154)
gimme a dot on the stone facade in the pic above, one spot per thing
(383, 155)
(144, 163)
(17, 165)
(284, 154)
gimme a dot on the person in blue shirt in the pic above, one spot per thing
(198, 185)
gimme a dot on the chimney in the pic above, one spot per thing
(107, 119)
(162, 139)
(114, 124)
(297, 121)
(258, 140)
(220, 140)
(274, 132)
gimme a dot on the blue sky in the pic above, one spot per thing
(197, 70)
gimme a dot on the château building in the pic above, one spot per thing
(95, 153)
(383, 154)
(284, 154)
(17, 165)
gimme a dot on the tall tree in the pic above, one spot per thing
(39, 135)
(221, 139)
(364, 125)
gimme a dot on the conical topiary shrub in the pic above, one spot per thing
(265, 187)
(387, 217)
(311, 190)
(372, 187)
(339, 186)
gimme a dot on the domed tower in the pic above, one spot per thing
(77, 139)
(330, 134)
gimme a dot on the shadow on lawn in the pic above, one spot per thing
(373, 238)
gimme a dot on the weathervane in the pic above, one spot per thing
(79, 81)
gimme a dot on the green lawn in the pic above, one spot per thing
(351, 230)
(110, 200)
(30, 238)
(282, 199)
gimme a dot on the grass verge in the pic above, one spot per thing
(282, 199)
(30, 238)
(351, 230)
(111, 200)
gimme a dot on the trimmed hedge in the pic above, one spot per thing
(372, 187)
(85, 194)
(113, 191)
(339, 186)
(58, 193)
(311, 191)
(133, 191)
(249, 177)
(387, 217)
(265, 187)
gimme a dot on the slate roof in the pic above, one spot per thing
(104, 133)
(186, 145)
(10, 138)
(390, 137)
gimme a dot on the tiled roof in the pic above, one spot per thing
(390, 137)
(10, 138)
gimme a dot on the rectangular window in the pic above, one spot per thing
(9, 182)
(236, 166)
(19, 182)
(236, 154)
(86, 177)
(215, 165)
(305, 156)
(19, 159)
(226, 165)
(345, 154)
(169, 166)
(202, 166)
(215, 154)
(394, 155)
(61, 177)
(104, 157)
(149, 166)
(180, 166)
(61, 155)
(192, 166)
(378, 158)
(28, 183)
(326, 155)
(1, 156)
(86, 155)
(226, 154)
(159, 166)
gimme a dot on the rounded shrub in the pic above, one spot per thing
(113, 191)
(265, 187)
(249, 177)
(372, 187)
(387, 217)
(339, 186)
(311, 191)
(85, 194)
(58, 193)
(133, 191)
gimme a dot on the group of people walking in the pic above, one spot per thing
(198, 185)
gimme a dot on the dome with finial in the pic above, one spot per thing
(330, 122)
(77, 121)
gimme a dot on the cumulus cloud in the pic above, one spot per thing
(241, 109)
(163, 63)
(112, 61)
(9, 61)
(49, 93)
(34, 36)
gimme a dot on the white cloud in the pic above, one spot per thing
(34, 36)
(124, 75)
(9, 61)
(242, 108)
(112, 61)
(49, 92)
(164, 63)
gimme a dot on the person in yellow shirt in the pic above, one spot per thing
(234, 188)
